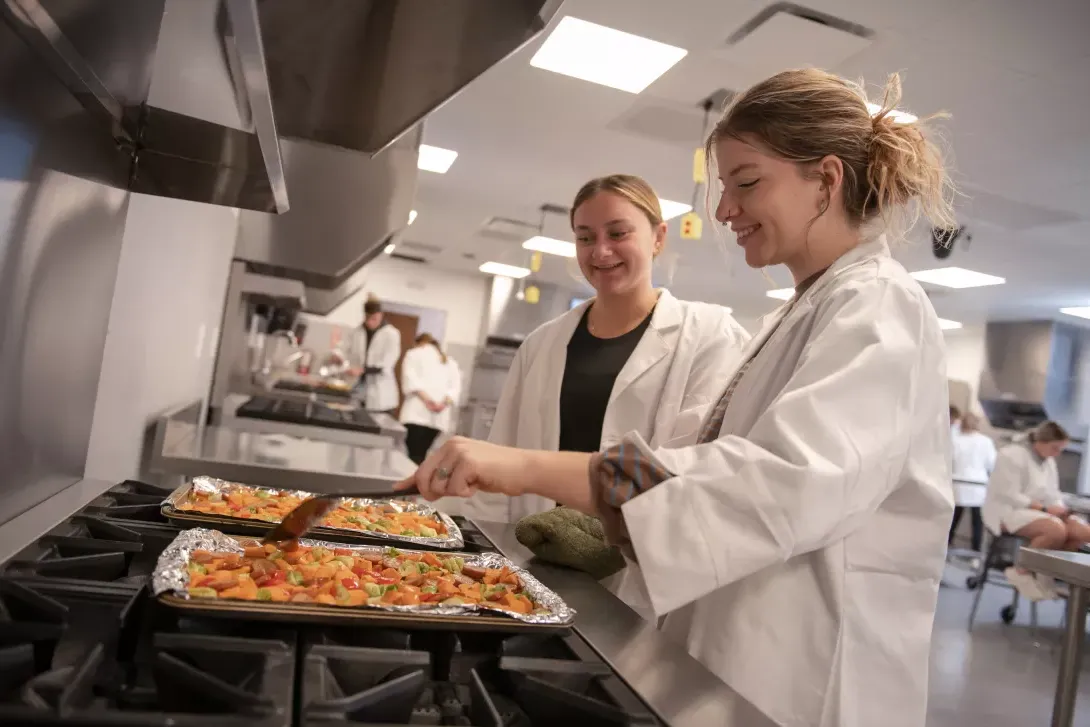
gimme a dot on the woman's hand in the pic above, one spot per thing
(1057, 511)
(462, 466)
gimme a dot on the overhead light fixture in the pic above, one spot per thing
(1078, 311)
(507, 271)
(902, 116)
(729, 310)
(550, 245)
(435, 159)
(781, 293)
(948, 325)
(606, 56)
(671, 209)
(412, 216)
(957, 278)
(389, 250)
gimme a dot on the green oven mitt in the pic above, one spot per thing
(568, 537)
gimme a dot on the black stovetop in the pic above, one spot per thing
(83, 643)
(310, 413)
(305, 388)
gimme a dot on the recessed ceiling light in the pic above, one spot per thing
(897, 115)
(550, 245)
(948, 325)
(412, 216)
(507, 271)
(389, 249)
(611, 57)
(670, 209)
(957, 278)
(781, 293)
(1078, 312)
(435, 159)
(729, 310)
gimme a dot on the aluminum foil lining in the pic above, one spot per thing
(172, 576)
(209, 485)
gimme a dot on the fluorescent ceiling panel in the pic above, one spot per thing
(948, 325)
(957, 278)
(1078, 312)
(550, 245)
(435, 159)
(606, 56)
(781, 293)
(671, 209)
(412, 216)
(507, 271)
(389, 249)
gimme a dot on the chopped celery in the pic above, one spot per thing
(203, 592)
(348, 560)
(264, 594)
(373, 589)
(295, 578)
(198, 568)
(341, 593)
(428, 532)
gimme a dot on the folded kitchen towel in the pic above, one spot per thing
(570, 538)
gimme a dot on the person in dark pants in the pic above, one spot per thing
(430, 384)
(973, 457)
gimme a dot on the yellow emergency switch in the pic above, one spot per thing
(699, 165)
(533, 295)
(691, 226)
(535, 262)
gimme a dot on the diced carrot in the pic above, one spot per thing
(279, 594)
(357, 597)
(255, 551)
(326, 599)
(410, 599)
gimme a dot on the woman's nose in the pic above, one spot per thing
(727, 209)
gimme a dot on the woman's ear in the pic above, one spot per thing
(831, 170)
(659, 239)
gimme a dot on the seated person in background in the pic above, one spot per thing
(973, 457)
(1024, 499)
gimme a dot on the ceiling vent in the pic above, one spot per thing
(419, 247)
(508, 230)
(1010, 214)
(408, 258)
(787, 35)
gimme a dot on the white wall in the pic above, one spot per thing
(462, 295)
(965, 357)
(164, 324)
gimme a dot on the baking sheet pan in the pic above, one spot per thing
(170, 581)
(173, 509)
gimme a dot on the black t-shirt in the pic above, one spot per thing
(590, 370)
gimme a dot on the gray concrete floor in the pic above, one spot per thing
(999, 675)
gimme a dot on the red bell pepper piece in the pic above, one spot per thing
(350, 583)
(383, 580)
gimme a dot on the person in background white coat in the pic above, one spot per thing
(798, 548)
(1024, 498)
(381, 348)
(973, 455)
(431, 385)
(630, 359)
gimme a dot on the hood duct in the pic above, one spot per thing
(1036, 370)
(350, 81)
(512, 318)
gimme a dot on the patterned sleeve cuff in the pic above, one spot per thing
(616, 476)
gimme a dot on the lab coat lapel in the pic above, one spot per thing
(661, 337)
(550, 367)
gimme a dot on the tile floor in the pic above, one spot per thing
(999, 675)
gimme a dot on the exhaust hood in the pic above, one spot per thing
(1036, 370)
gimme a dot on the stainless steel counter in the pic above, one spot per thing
(185, 447)
(676, 686)
(392, 432)
(1074, 570)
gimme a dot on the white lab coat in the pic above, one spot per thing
(682, 360)
(1019, 479)
(424, 370)
(799, 555)
(380, 389)
(973, 455)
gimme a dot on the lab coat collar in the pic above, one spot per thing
(656, 343)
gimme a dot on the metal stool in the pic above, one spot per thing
(999, 555)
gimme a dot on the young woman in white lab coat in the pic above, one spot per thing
(1024, 498)
(381, 344)
(797, 549)
(431, 384)
(630, 359)
(973, 456)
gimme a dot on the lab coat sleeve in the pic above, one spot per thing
(384, 355)
(412, 379)
(505, 421)
(718, 357)
(824, 455)
(454, 383)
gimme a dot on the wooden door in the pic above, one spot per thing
(407, 326)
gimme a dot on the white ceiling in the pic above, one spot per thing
(1014, 75)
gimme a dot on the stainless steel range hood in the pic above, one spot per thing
(1035, 370)
(350, 82)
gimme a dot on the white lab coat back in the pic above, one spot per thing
(799, 555)
(1020, 478)
(423, 370)
(380, 389)
(973, 456)
(680, 363)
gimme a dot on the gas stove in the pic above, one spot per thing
(313, 413)
(83, 643)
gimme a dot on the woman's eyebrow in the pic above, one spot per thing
(740, 167)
